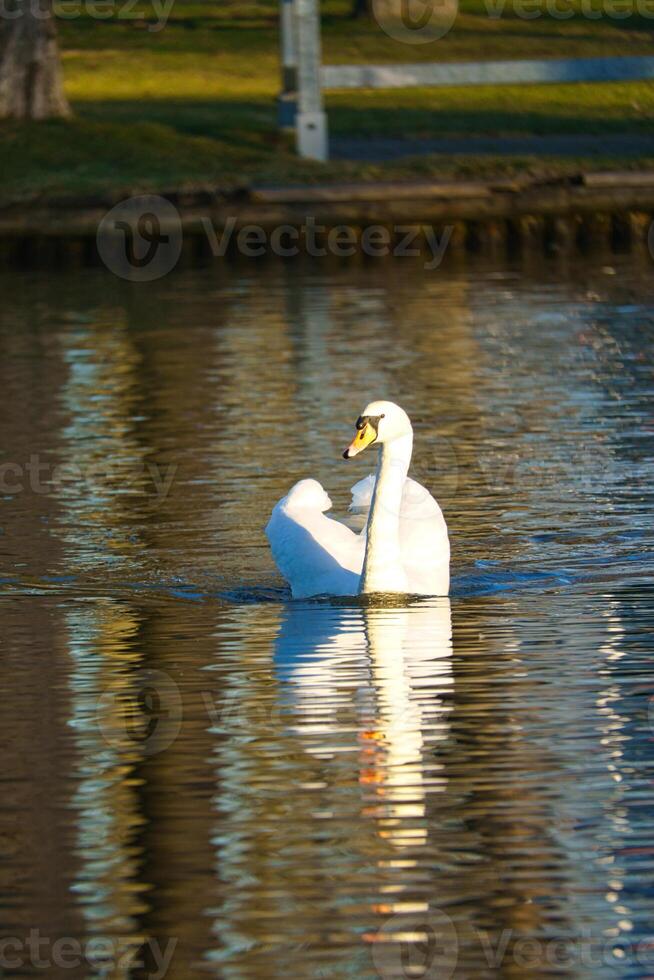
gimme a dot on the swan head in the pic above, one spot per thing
(380, 422)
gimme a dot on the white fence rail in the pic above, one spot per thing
(305, 77)
(544, 71)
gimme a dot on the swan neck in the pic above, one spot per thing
(382, 567)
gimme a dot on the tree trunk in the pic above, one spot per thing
(31, 84)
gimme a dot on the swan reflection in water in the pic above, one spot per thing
(375, 680)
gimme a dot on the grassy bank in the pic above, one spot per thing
(192, 102)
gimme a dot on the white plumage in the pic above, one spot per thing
(404, 545)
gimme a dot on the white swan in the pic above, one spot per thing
(404, 546)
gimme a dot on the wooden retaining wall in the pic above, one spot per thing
(612, 210)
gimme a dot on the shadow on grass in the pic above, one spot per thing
(123, 146)
(480, 120)
(241, 125)
(252, 125)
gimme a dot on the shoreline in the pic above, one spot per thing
(582, 208)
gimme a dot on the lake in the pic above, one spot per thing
(202, 777)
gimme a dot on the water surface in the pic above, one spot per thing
(200, 772)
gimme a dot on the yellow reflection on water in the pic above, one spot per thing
(104, 660)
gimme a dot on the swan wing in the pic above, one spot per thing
(360, 504)
(362, 494)
(316, 554)
(424, 541)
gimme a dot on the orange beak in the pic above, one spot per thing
(363, 438)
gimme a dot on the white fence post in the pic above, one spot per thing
(287, 101)
(311, 121)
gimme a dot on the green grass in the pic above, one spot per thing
(193, 104)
